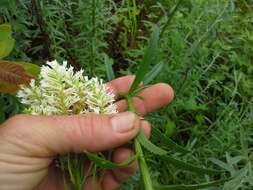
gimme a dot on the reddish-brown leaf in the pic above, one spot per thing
(8, 87)
(13, 73)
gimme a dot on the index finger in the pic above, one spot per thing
(120, 85)
(154, 97)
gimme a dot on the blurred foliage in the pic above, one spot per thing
(13, 74)
(206, 49)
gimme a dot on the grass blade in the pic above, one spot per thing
(108, 67)
(168, 142)
(153, 73)
(107, 164)
(149, 145)
(189, 167)
(150, 56)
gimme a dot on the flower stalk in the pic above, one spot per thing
(146, 179)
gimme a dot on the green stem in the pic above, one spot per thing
(143, 166)
(146, 179)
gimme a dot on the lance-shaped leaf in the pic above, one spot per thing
(107, 164)
(150, 56)
(108, 67)
(189, 167)
(151, 75)
(177, 163)
(149, 145)
(168, 142)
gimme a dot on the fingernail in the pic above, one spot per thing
(123, 122)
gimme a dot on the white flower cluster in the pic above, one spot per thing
(60, 90)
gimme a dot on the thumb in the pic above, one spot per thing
(51, 135)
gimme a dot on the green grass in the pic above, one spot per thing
(207, 52)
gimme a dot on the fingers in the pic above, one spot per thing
(153, 98)
(114, 178)
(50, 135)
(121, 85)
(54, 180)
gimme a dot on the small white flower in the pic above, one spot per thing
(62, 91)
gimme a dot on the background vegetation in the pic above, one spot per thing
(207, 52)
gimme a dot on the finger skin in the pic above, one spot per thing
(114, 178)
(121, 85)
(43, 136)
(153, 98)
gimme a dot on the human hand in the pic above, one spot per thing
(28, 144)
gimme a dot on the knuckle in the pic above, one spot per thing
(85, 127)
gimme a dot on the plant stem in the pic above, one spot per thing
(146, 179)
(143, 166)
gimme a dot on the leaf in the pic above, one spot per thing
(221, 164)
(7, 87)
(153, 73)
(13, 73)
(5, 31)
(108, 67)
(106, 164)
(150, 56)
(149, 145)
(177, 163)
(168, 142)
(32, 69)
(6, 40)
(189, 187)
(169, 128)
(2, 114)
(189, 167)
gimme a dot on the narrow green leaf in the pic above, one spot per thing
(150, 76)
(190, 187)
(150, 56)
(138, 90)
(177, 163)
(189, 167)
(168, 142)
(106, 164)
(108, 67)
(149, 145)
